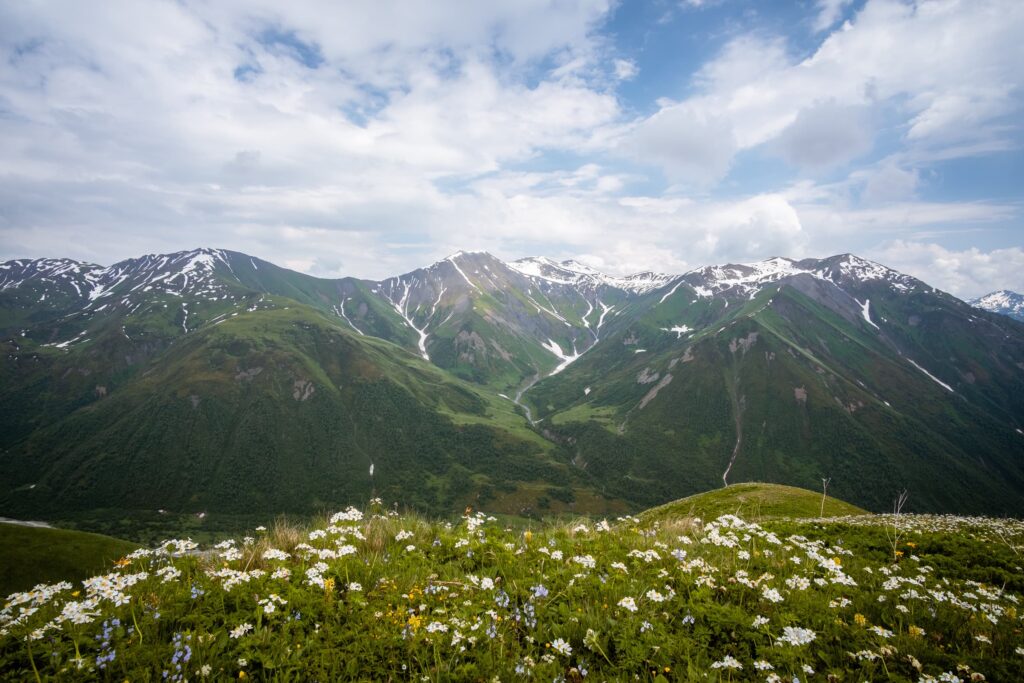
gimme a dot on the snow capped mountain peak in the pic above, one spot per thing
(61, 273)
(576, 274)
(1003, 301)
(748, 278)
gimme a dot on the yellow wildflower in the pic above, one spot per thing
(860, 619)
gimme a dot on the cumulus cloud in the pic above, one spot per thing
(826, 134)
(947, 71)
(689, 143)
(370, 138)
(968, 273)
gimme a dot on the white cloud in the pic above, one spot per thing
(428, 127)
(968, 273)
(889, 183)
(829, 12)
(948, 71)
(826, 134)
(688, 142)
(625, 69)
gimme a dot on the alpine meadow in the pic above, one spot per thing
(532, 340)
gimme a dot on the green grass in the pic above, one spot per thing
(390, 597)
(754, 501)
(34, 555)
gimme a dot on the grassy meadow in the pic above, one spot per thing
(375, 595)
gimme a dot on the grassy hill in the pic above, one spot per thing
(754, 501)
(33, 555)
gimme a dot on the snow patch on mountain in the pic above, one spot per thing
(552, 346)
(865, 310)
(747, 279)
(933, 377)
(585, 278)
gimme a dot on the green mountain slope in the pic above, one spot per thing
(205, 380)
(34, 555)
(283, 409)
(785, 389)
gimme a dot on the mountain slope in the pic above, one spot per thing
(282, 406)
(630, 390)
(799, 382)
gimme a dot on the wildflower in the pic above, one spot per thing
(620, 566)
(655, 596)
(860, 619)
(355, 587)
(561, 647)
(762, 665)
(727, 662)
(798, 583)
(771, 594)
(240, 631)
(760, 621)
(539, 591)
(585, 560)
(878, 630)
(628, 603)
(794, 635)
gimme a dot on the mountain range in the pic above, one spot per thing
(210, 380)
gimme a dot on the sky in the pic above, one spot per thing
(371, 138)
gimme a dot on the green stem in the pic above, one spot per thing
(78, 654)
(32, 660)
(135, 622)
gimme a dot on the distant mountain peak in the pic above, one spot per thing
(1003, 301)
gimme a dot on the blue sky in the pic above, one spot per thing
(368, 138)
